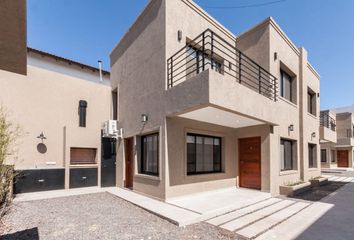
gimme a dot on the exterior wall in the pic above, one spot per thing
(13, 37)
(139, 71)
(46, 100)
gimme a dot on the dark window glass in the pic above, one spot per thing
(203, 154)
(286, 89)
(333, 156)
(150, 154)
(312, 155)
(311, 102)
(286, 154)
(82, 113)
(323, 155)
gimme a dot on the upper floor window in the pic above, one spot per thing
(311, 101)
(287, 88)
(82, 113)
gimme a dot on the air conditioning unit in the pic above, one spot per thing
(110, 129)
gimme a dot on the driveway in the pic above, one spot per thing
(97, 216)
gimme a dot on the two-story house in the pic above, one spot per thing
(328, 138)
(202, 108)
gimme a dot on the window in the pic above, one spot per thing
(287, 152)
(203, 154)
(311, 101)
(150, 154)
(286, 86)
(82, 156)
(82, 113)
(312, 155)
(323, 156)
(115, 105)
(333, 156)
(194, 64)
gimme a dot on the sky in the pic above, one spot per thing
(88, 30)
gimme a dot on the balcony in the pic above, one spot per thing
(328, 127)
(210, 51)
(210, 80)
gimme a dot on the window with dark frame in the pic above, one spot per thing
(312, 148)
(311, 101)
(203, 154)
(287, 154)
(149, 164)
(194, 63)
(333, 156)
(286, 88)
(323, 155)
(82, 113)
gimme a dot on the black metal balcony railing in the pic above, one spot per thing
(327, 121)
(210, 51)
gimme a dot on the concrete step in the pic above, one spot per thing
(265, 224)
(239, 223)
(297, 224)
(217, 221)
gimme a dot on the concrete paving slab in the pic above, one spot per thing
(274, 219)
(177, 215)
(256, 216)
(208, 203)
(241, 212)
(56, 193)
(297, 224)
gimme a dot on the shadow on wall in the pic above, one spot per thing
(28, 234)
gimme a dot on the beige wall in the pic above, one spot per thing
(47, 101)
(150, 42)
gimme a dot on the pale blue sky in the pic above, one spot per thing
(87, 30)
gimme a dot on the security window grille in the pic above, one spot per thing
(150, 154)
(287, 154)
(323, 155)
(203, 154)
(286, 88)
(312, 148)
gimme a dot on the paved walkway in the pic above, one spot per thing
(251, 214)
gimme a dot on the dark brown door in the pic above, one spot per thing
(250, 162)
(342, 158)
(129, 162)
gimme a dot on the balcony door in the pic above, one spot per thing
(250, 162)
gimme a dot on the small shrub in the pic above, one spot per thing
(9, 133)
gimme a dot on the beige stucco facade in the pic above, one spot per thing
(343, 141)
(209, 103)
(46, 101)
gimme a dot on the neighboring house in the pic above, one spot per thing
(203, 109)
(340, 153)
(60, 106)
(328, 139)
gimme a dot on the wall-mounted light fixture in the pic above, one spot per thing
(179, 35)
(275, 56)
(291, 127)
(144, 118)
(313, 135)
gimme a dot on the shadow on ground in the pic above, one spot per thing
(28, 234)
(317, 193)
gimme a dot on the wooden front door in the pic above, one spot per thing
(250, 162)
(129, 162)
(342, 158)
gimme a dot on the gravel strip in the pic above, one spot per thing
(97, 216)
